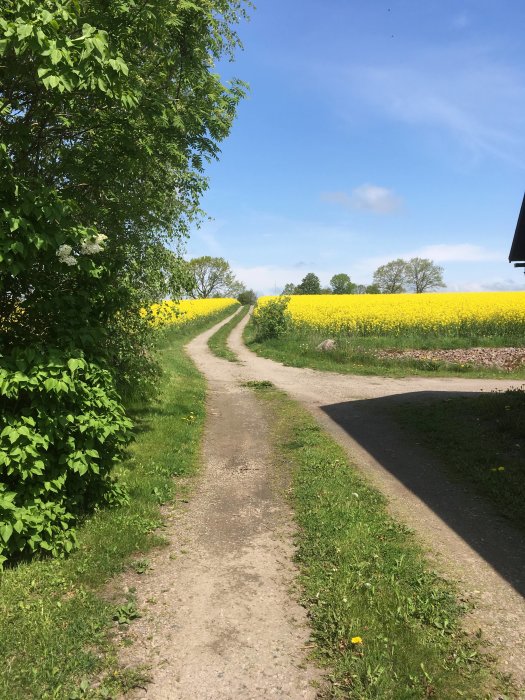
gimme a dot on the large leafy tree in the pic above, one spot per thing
(310, 284)
(213, 277)
(109, 112)
(342, 284)
(391, 277)
(423, 275)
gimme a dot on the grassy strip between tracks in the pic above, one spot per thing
(56, 620)
(357, 355)
(218, 341)
(384, 624)
(484, 446)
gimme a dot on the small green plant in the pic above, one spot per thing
(127, 612)
(262, 384)
(271, 320)
(140, 566)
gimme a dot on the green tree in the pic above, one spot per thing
(310, 284)
(423, 274)
(342, 284)
(213, 277)
(372, 289)
(248, 296)
(108, 114)
(289, 289)
(391, 278)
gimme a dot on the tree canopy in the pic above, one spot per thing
(417, 274)
(310, 284)
(109, 112)
(342, 284)
(422, 275)
(212, 277)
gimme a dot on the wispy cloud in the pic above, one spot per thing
(367, 197)
(495, 285)
(465, 91)
(460, 252)
(438, 253)
(461, 20)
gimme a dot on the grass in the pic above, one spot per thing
(484, 446)
(218, 341)
(356, 355)
(55, 619)
(384, 624)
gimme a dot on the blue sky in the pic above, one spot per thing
(372, 131)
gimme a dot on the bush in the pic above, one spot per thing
(63, 429)
(271, 320)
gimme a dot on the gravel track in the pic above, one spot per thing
(465, 539)
(221, 621)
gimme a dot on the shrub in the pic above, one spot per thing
(271, 320)
(63, 429)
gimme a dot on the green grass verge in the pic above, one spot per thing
(356, 355)
(484, 446)
(365, 578)
(217, 343)
(55, 619)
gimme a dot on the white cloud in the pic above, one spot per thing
(460, 252)
(438, 253)
(495, 285)
(368, 197)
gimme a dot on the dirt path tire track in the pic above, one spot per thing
(465, 539)
(224, 624)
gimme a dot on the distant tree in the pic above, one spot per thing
(422, 274)
(360, 289)
(372, 289)
(311, 284)
(326, 290)
(391, 278)
(289, 289)
(247, 297)
(213, 277)
(342, 284)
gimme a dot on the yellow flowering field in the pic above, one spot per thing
(451, 314)
(168, 313)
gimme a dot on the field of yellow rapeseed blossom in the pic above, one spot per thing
(168, 313)
(458, 314)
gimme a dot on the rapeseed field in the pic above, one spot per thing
(455, 314)
(168, 313)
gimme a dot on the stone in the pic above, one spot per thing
(326, 345)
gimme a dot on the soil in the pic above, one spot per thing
(505, 359)
(222, 619)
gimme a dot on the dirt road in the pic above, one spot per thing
(221, 621)
(466, 540)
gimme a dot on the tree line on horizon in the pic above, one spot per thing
(417, 275)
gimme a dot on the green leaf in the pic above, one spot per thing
(6, 530)
(24, 30)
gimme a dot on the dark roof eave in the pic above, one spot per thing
(517, 250)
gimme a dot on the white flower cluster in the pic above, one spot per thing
(93, 245)
(64, 255)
